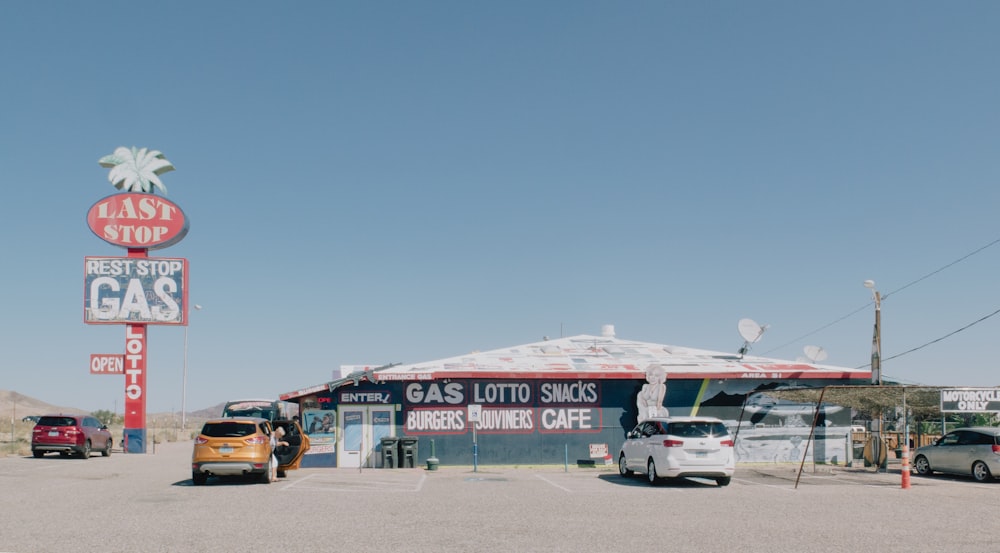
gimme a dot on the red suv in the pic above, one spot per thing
(67, 434)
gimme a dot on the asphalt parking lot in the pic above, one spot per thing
(147, 503)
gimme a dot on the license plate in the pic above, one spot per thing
(701, 454)
(53, 432)
(225, 449)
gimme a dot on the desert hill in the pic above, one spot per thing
(208, 412)
(19, 406)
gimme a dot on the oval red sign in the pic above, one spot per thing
(136, 220)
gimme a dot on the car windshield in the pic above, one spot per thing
(228, 429)
(263, 413)
(698, 429)
(57, 421)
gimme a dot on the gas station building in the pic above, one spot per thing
(570, 399)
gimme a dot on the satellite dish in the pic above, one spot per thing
(751, 333)
(815, 353)
(750, 330)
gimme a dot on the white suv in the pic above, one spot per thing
(676, 447)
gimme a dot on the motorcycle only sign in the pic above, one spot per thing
(135, 290)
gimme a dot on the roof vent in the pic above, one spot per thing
(608, 331)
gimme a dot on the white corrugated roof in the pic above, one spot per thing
(586, 356)
(599, 357)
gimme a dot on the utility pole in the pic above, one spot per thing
(878, 448)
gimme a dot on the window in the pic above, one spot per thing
(57, 421)
(949, 439)
(698, 429)
(980, 439)
(229, 429)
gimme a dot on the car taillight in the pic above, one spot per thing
(726, 443)
(996, 449)
(256, 440)
(200, 441)
(673, 443)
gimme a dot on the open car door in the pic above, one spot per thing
(290, 456)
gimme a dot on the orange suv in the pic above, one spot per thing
(241, 446)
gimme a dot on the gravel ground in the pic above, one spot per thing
(147, 503)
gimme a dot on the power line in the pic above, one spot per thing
(928, 275)
(824, 327)
(949, 335)
(885, 296)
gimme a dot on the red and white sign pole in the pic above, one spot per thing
(135, 388)
(135, 291)
(135, 381)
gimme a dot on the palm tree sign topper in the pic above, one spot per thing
(136, 170)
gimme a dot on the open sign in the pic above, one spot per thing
(107, 363)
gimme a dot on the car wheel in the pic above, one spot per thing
(651, 473)
(980, 471)
(265, 477)
(281, 474)
(921, 465)
(623, 467)
(85, 452)
(37, 453)
(723, 481)
(199, 478)
(107, 449)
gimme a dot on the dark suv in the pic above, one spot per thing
(68, 434)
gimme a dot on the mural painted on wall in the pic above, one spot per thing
(777, 430)
(321, 426)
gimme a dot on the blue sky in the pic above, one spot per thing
(375, 182)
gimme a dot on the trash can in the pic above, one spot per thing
(389, 455)
(408, 452)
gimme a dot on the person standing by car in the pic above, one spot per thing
(276, 442)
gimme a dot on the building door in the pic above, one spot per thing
(362, 428)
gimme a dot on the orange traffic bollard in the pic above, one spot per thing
(905, 469)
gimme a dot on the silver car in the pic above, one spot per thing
(967, 451)
(677, 447)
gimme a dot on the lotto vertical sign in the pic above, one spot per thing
(135, 388)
